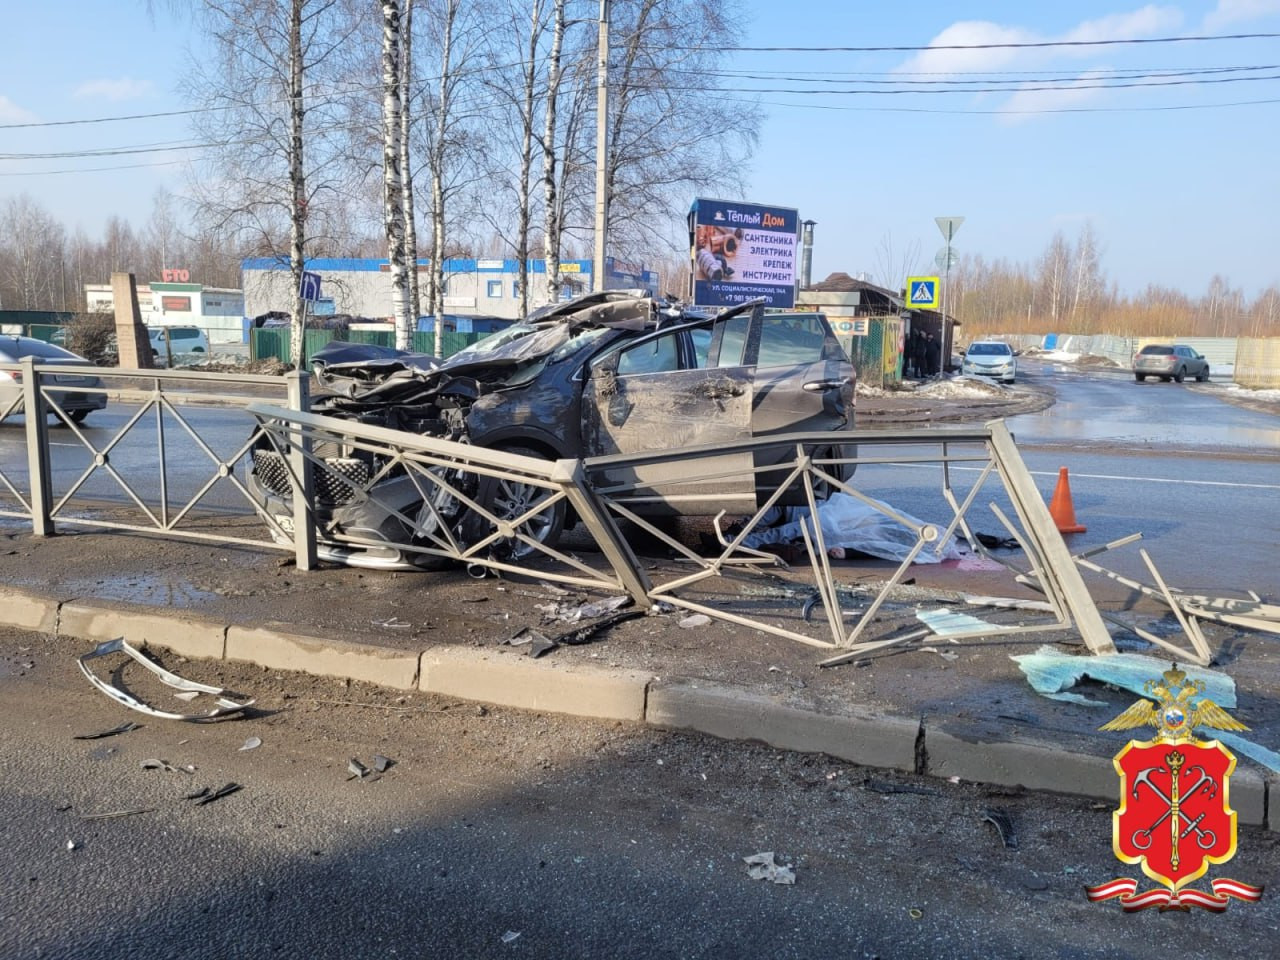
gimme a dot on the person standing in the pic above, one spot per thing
(932, 356)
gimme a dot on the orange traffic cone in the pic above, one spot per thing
(1060, 508)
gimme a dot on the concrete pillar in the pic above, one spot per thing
(131, 336)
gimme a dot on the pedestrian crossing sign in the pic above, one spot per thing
(922, 292)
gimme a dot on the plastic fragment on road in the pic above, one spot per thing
(695, 620)
(225, 706)
(510, 936)
(357, 769)
(586, 611)
(253, 743)
(224, 791)
(166, 766)
(123, 728)
(382, 764)
(1003, 823)
(761, 866)
(947, 622)
(1052, 673)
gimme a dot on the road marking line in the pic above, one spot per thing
(1103, 476)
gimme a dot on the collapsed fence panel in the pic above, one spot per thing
(441, 496)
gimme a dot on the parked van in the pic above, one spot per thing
(181, 340)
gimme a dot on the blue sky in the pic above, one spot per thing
(1174, 195)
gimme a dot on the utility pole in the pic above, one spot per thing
(948, 226)
(602, 149)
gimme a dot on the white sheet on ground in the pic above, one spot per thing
(854, 525)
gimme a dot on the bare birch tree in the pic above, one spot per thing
(392, 181)
(553, 223)
(406, 167)
(279, 164)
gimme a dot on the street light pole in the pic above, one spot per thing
(602, 149)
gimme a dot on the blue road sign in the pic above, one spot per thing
(310, 286)
(922, 292)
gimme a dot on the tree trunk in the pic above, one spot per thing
(298, 186)
(392, 182)
(406, 168)
(553, 223)
(450, 13)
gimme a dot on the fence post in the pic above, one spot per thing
(304, 527)
(38, 466)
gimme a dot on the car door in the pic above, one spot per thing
(658, 393)
(803, 382)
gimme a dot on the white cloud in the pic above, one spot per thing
(1025, 104)
(969, 33)
(124, 88)
(10, 112)
(1148, 21)
(1228, 12)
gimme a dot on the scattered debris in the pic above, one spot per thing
(166, 766)
(1003, 822)
(123, 728)
(915, 913)
(188, 695)
(224, 791)
(944, 654)
(589, 631)
(225, 706)
(382, 764)
(358, 770)
(510, 936)
(253, 743)
(392, 623)
(1051, 672)
(538, 644)
(761, 866)
(586, 611)
(112, 815)
(947, 623)
(72, 845)
(196, 795)
(695, 620)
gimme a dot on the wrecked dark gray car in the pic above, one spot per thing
(607, 373)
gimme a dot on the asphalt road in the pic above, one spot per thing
(503, 834)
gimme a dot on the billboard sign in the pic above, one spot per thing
(742, 251)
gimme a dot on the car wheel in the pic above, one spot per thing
(79, 416)
(1203, 375)
(1180, 375)
(1140, 377)
(508, 499)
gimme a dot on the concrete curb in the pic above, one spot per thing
(515, 681)
(280, 650)
(717, 710)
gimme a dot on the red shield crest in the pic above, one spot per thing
(1175, 817)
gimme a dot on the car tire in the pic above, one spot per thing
(1180, 375)
(1140, 377)
(508, 499)
(1203, 375)
(79, 416)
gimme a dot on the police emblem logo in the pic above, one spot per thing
(1175, 819)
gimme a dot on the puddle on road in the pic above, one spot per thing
(152, 591)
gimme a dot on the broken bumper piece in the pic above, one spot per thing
(225, 706)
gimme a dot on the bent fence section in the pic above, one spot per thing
(461, 504)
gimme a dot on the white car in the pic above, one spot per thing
(990, 358)
(180, 340)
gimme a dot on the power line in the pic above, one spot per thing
(1030, 45)
(998, 112)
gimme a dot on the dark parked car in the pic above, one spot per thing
(1169, 362)
(606, 373)
(75, 404)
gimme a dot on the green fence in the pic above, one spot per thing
(276, 341)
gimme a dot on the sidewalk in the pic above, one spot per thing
(962, 710)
